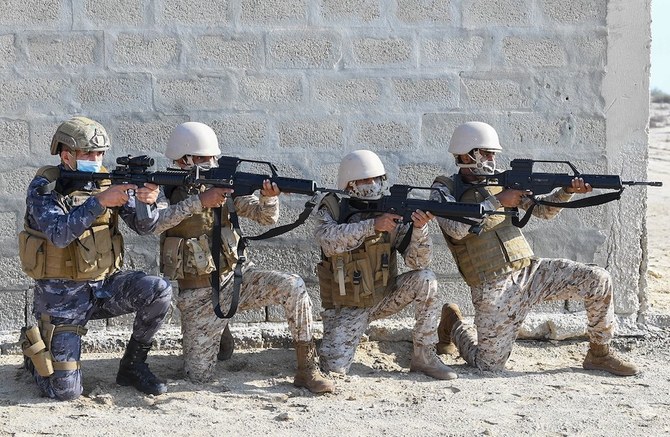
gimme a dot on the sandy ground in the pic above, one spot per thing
(544, 391)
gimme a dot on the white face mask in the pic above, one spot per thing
(207, 165)
(482, 165)
(371, 191)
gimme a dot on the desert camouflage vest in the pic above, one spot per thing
(501, 248)
(95, 255)
(186, 248)
(357, 278)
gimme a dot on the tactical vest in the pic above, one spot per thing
(501, 248)
(186, 254)
(94, 255)
(357, 278)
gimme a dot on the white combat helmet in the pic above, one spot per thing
(359, 164)
(192, 138)
(474, 135)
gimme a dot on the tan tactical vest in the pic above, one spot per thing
(501, 248)
(186, 248)
(358, 278)
(95, 255)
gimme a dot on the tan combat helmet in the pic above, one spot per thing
(80, 133)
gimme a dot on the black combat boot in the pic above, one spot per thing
(226, 345)
(134, 371)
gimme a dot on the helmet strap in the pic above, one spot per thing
(70, 164)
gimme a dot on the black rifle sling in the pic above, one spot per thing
(406, 239)
(216, 255)
(241, 246)
(579, 203)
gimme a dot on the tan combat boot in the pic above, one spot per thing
(450, 315)
(599, 357)
(425, 361)
(308, 374)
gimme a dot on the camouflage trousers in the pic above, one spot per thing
(129, 291)
(501, 305)
(343, 327)
(201, 328)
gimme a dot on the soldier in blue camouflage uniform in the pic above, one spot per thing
(504, 276)
(71, 246)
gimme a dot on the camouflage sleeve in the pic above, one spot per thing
(420, 248)
(46, 215)
(170, 216)
(337, 238)
(453, 228)
(264, 210)
(544, 211)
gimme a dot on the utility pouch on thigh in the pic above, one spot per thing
(35, 349)
(171, 257)
(48, 330)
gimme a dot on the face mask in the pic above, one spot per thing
(482, 165)
(89, 166)
(189, 164)
(371, 191)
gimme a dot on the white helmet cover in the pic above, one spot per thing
(474, 135)
(192, 138)
(359, 164)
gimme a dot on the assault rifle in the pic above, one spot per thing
(134, 170)
(522, 177)
(399, 202)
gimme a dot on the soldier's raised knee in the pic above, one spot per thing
(427, 275)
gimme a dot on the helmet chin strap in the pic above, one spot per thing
(68, 165)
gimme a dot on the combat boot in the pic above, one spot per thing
(450, 315)
(308, 374)
(600, 357)
(425, 360)
(134, 371)
(226, 345)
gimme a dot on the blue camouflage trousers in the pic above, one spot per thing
(75, 303)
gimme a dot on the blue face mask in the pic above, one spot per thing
(89, 166)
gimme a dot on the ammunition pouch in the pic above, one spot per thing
(97, 253)
(190, 258)
(358, 278)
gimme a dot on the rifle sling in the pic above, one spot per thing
(579, 203)
(241, 246)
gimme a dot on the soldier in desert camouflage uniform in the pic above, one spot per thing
(186, 256)
(505, 279)
(72, 247)
(358, 273)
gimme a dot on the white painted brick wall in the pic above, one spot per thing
(302, 82)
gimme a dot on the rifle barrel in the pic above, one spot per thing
(650, 183)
